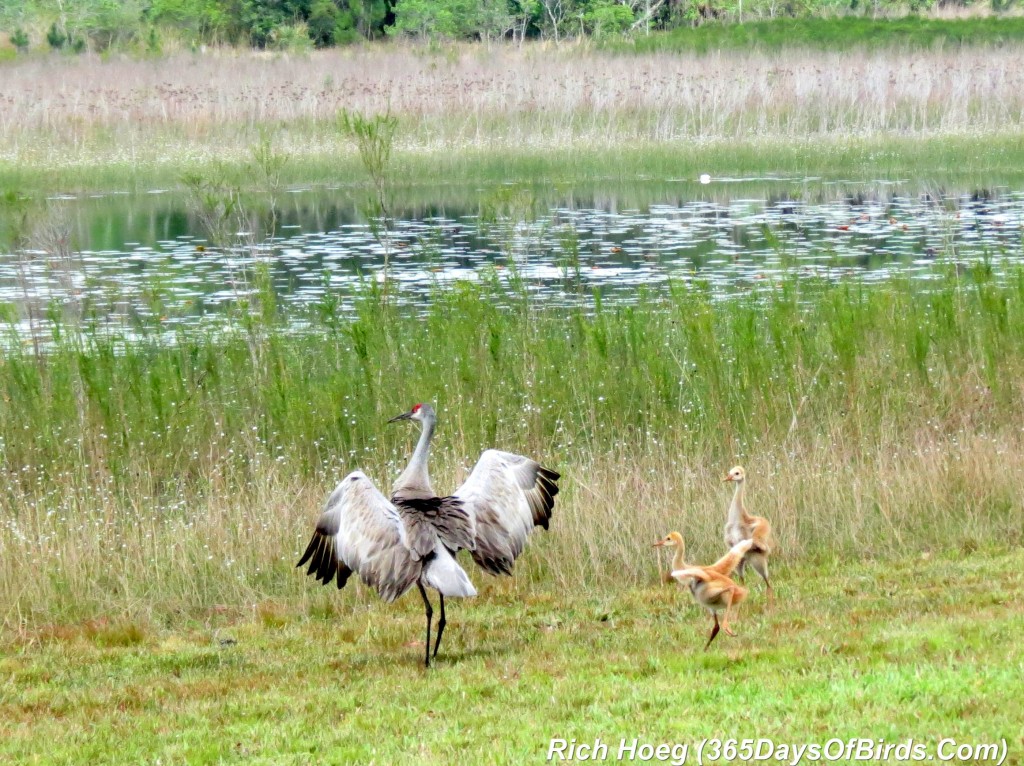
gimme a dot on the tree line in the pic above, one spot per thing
(296, 24)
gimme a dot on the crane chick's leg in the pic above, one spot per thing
(440, 628)
(714, 631)
(760, 565)
(430, 614)
(727, 597)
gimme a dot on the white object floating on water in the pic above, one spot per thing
(705, 178)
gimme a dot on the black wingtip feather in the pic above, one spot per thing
(309, 552)
(343, 574)
(546, 489)
(323, 563)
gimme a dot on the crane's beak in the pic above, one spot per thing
(659, 544)
(403, 416)
(727, 478)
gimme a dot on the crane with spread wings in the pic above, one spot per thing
(413, 537)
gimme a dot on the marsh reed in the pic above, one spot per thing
(60, 112)
(154, 477)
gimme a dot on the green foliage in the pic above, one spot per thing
(834, 34)
(18, 212)
(430, 18)
(202, 20)
(294, 38)
(153, 45)
(19, 39)
(268, 164)
(330, 24)
(111, 23)
(606, 17)
(278, 23)
(55, 37)
(452, 19)
(374, 138)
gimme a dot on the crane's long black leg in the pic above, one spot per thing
(440, 628)
(430, 615)
(714, 631)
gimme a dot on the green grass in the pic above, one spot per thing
(954, 161)
(922, 649)
(843, 34)
(154, 475)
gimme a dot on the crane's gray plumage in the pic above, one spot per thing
(361, 531)
(506, 496)
(413, 538)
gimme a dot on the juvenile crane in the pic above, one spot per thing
(740, 525)
(412, 539)
(711, 586)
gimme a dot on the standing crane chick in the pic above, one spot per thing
(412, 539)
(711, 586)
(673, 540)
(740, 525)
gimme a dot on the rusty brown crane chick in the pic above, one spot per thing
(673, 540)
(712, 587)
(741, 525)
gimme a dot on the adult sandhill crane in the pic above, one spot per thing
(413, 538)
(740, 525)
(711, 585)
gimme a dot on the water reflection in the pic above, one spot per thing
(136, 258)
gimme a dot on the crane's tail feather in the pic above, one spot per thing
(444, 574)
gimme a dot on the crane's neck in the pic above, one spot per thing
(679, 559)
(415, 480)
(737, 511)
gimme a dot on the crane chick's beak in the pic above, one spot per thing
(659, 544)
(403, 416)
(727, 478)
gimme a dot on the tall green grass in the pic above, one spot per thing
(842, 34)
(164, 474)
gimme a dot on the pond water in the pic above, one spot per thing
(130, 257)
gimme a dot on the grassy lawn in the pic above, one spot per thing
(918, 648)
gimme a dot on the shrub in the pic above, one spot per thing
(608, 18)
(19, 39)
(293, 38)
(56, 38)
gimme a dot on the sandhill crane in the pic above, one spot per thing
(740, 525)
(413, 537)
(711, 585)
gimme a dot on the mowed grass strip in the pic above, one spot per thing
(921, 647)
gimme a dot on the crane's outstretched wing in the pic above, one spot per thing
(360, 531)
(728, 563)
(714, 584)
(506, 495)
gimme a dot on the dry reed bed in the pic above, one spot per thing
(481, 97)
(237, 549)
